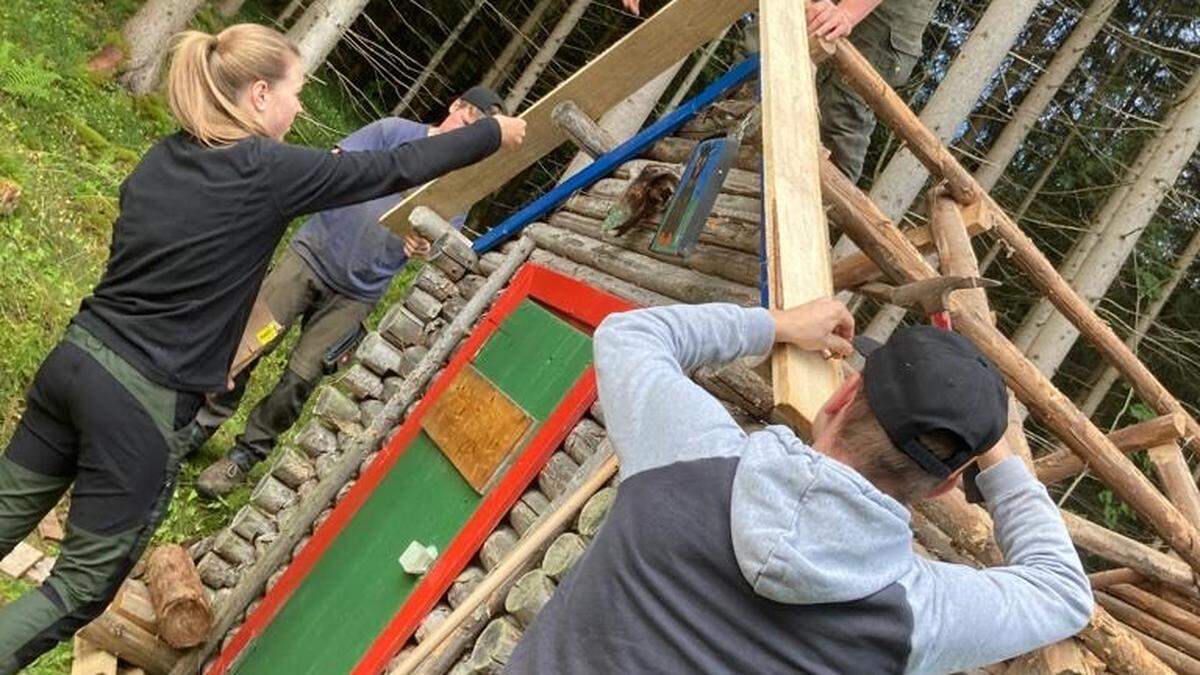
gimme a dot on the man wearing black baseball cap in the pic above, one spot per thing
(727, 552)
(337, 267)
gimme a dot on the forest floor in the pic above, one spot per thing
(70, 138)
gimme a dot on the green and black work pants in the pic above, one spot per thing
(94, 425)
(846, 121)
(330, 329)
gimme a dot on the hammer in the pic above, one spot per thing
(931, 295)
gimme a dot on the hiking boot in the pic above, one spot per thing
(220, 478)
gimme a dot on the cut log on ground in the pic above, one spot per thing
(130, 642)
(184, 616)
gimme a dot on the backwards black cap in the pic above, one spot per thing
(926, 379)
(488, 101)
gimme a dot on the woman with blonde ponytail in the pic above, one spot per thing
(107, 413)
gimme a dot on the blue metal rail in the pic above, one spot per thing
(609, 162)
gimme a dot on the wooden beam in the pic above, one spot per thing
(671, 34)
(879, 238)
(1061, 464)
(798, 268)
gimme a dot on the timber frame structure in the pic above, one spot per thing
(1147, 618)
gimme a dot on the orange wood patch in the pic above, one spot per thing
(476, 426)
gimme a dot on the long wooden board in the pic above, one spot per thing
(798, 266)
(668, 36)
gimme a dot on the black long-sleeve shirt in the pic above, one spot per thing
(198, 226)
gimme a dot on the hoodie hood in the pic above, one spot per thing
(808, 529)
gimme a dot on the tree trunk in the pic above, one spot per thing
(1129, 212)
(148, 34)
(320, 28)
(1043, 92)
(516, 95)
(517, 45)
(695, 72)
(436, 59)
(626, 118)
(1107, 374)
(228, 8)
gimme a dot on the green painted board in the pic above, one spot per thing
(357, 586)
(535, 357)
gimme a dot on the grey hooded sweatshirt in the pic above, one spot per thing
(733, 553)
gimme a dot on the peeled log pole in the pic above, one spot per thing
(890, 108)
(1177, 479)
(1125, 551)
(1062, 464)
(1148, 602)
(1150, 625)
(879, 238)
(1120, 651)
(184, 617)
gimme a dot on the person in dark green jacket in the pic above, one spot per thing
(199, 219)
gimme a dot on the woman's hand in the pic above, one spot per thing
(632, 5)
(823, 325)
(828, 20)
(512, 130)
(416, 247)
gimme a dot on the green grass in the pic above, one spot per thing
(69, 139)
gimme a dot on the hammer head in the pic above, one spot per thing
(931, 295)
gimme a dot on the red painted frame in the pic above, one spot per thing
(566, 295)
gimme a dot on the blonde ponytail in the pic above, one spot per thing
(209, 72)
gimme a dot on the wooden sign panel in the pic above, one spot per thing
(476, 426)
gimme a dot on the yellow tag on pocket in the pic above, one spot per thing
(267, 333)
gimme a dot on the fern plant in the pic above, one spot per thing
(28, 79)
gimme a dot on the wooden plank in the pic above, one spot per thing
(668, 36)
(20, 560)
(476, 426)
(88, 659)
(795, 222)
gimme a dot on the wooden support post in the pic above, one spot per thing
(1176, 479)
(581, 129)
(659, 42)
(798, 265)
(879, 238)
(890, 108)
(1061, 464)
